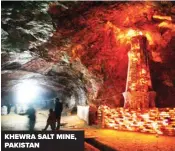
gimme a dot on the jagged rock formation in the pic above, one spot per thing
(23, 30)
(97, 34)
(85, 60)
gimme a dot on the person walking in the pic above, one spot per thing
(31, 117)
(58, 111)
(51, 121)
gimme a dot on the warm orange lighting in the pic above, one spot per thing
(164, 24)
(133, 33)
(125, 35)
(145, 120)
(116, 29)
(149, 38)
(143, 71)
(162, 17)
(167, 25)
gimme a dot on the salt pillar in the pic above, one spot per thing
(138, 92)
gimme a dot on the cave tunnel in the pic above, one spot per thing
(80, 57)
(30, 87)
(22, 88)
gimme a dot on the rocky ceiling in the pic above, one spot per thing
(76, 49)
(21, 32)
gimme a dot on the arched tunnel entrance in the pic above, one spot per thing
(22, 87)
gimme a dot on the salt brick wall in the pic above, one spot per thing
(155, 120)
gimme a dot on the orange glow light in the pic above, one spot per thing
(145, 120)
(162, 17)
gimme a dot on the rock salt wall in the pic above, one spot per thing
(153, 120)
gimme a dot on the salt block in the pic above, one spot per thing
(83, 113)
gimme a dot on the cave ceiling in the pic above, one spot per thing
(80, 48)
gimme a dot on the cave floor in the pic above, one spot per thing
(14, 121)
(110, 140)
(96, 139)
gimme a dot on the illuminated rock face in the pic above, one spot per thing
(160, 121)
(138, 93)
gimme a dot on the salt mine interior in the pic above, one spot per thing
(112, 64)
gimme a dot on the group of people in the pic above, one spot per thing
(53, 119)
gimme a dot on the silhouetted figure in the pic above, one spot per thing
(9, 108)
(51, 121)
(58, 111)
(9, 105)
(31, 117)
